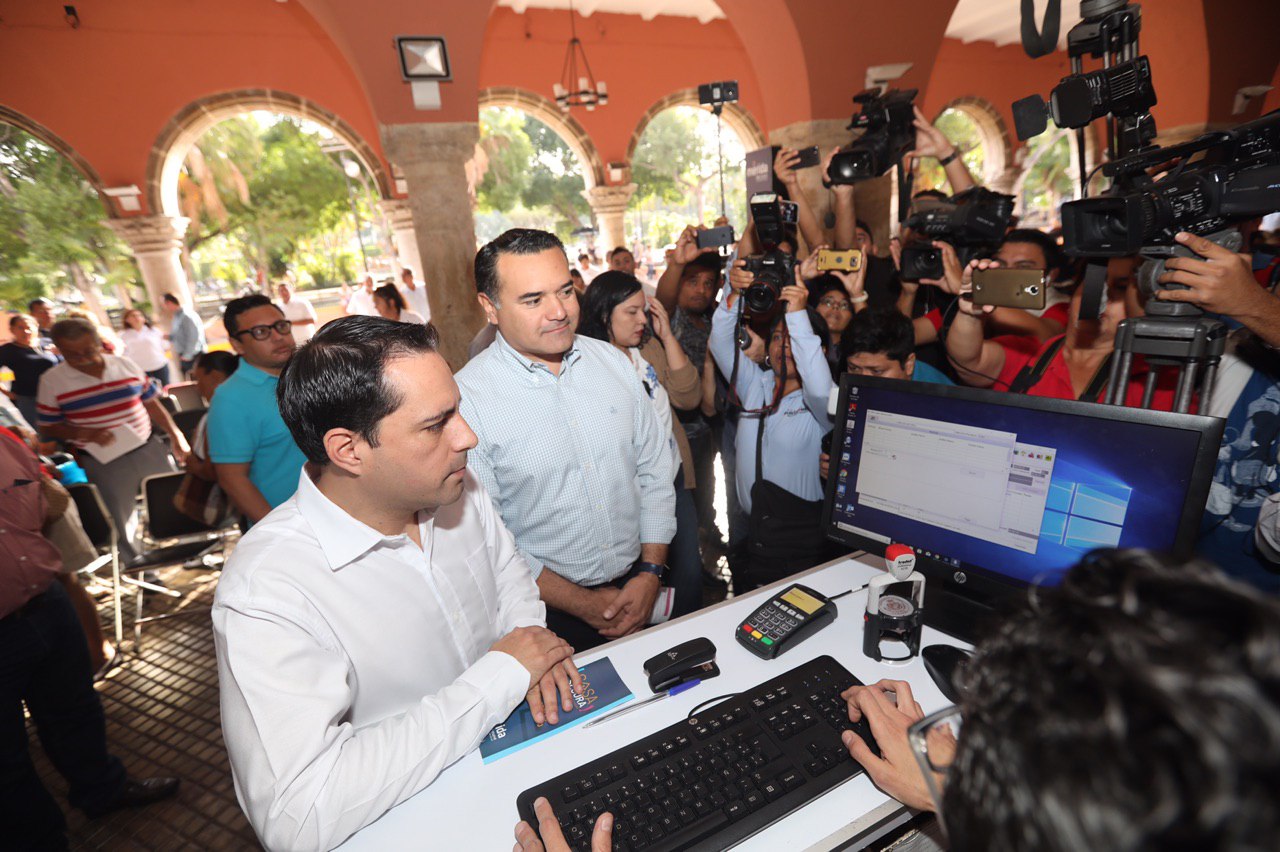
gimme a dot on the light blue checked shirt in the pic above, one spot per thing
(576, 464)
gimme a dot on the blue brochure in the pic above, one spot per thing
(602, 690)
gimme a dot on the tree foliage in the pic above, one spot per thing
(529, 169)
(51, 225)
(964, 133)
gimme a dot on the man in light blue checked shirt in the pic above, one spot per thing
(569, 447)
(186, 333)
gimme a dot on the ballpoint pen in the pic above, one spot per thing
(622, 711)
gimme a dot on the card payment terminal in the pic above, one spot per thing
(785, 620)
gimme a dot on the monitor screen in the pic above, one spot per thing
(1011, 488)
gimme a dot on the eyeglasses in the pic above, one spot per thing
(933, 742)
(262, 332)
(836, 304)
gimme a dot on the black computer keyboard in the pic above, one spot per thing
(712, 781)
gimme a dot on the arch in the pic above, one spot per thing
(181, 132)
(566, 126)
(994, 133)
(48, 137)
(739, 120)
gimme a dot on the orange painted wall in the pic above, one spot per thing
(641, 61)
(109, 87)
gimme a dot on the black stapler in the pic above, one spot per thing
(686, 661)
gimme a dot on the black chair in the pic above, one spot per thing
(170, 404)
(188, 421)
(101, 530)
(168, 537)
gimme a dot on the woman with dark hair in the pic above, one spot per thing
(210, 370)
(391, 305)
(615, 309)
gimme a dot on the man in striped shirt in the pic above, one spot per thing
(95, 399)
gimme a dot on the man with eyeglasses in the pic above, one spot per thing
(254, 454)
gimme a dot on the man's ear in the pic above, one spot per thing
(489, 307)
(909, 366)
(344, 449)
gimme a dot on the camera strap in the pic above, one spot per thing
(1030, 375)
(1041, 41)
(732, 390)
(906, 182)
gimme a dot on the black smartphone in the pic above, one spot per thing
(716, 237)
(809, 157)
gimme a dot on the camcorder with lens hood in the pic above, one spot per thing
(889, 134)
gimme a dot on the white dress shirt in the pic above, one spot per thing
(296, 309)
(361, 302)
(354, 667)
(416, 299)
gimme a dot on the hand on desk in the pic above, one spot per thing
(549, 661)
(549, 827)
(895, 771)
(632, 608)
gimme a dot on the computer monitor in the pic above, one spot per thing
(997, 491)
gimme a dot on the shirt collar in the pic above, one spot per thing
(343, 539)
(530, 365)
(253, 375)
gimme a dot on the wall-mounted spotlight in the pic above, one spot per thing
(125, 196)
(424, 64)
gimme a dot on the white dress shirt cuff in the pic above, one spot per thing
(501, 679)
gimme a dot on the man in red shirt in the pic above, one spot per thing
(44, 663)
(1073, 365)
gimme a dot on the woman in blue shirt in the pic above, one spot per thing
(785, 504)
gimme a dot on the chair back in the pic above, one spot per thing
(187, 421)
(186, 395)
(164, 521)
(170, 404)
(94, 516)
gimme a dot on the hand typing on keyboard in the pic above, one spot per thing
(890, 709)
(527, 839)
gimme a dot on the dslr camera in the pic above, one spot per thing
(888, 135)
(772, 269)
(969, 220)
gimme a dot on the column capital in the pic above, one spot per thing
(151, 234)
(399, 213)
(609, 199)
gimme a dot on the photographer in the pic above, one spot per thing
(1073, 365)
(1240, 521)
(784, 419)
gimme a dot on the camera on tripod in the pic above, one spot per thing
(969, 221)
(888, 135)
(772, 269)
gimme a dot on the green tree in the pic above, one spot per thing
(529, 169)
(964, 134)
(1048, 180)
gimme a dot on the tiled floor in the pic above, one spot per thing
(162, 719)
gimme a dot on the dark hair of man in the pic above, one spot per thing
(171, 299)
(878, 330)
(1052, 253)
(584, 256)
(819, 325)
(392, 295)
(704, 262)
(14, 319)
(575, 272)
(1135, 707)
(31, 306)
(515, 241)
(619, 249)
(218, 361)
(337, 380)
(231, 313)
(404, 270)
(72, 328)
(607, 291)
(861, 225)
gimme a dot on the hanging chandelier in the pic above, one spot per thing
(578, 86)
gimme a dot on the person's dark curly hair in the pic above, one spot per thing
(1135, 707)
(608, 290)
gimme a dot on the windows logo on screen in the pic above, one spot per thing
(1083, 516)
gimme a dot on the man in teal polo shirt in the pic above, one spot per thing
(254, 454)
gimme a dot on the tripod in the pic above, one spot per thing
(1172, 334)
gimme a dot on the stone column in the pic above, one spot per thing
(609, 204)
(872, 198)
(156, 242)
(399, 215)
(433, 158)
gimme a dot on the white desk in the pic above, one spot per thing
(473, 806)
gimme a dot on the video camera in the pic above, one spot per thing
(969, 221)
(1124, 91)
(772, 269)
(888, 135)
(1237, 178)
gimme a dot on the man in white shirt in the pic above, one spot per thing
(361, 301)
(415, 294)
(297, 311)
(373, 628)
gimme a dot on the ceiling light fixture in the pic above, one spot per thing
(578, 86)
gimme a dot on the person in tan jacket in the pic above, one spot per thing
(616, 310)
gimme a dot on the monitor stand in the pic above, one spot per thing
(955, 613)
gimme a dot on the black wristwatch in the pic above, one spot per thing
(657, 570)
(946, 161)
